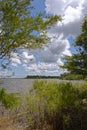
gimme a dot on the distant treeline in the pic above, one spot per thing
(41, 77)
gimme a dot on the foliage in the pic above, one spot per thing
(8, 100)
(19, 29)
(41, 77)
(69, 76)
(53, 105)
(77, 63)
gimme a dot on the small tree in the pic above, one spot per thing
(77, 63)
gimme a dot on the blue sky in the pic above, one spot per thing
(46, 61)
(39, 6)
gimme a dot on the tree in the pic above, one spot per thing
(19, 29)
(77, 63)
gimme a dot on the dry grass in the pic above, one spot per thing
(6, 124)
(13, 122)
(5, 121)
(8, 128)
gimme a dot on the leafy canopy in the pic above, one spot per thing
(19, 29)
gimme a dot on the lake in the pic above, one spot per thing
(22, 85)
(16, 85)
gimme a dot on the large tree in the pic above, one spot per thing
(77, 63)
(19, 29)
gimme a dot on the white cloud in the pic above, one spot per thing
(27, 56)
(59, 46)
(72, 12)
(5, 73)
(55, 6)
(15, 59)
(46, 61)
(42, 69)
(22, 58)
(53, 51)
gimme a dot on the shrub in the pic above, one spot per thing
(68, 76)
(8, 100)
(55, 105)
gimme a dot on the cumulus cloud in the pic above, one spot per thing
(55, 6)
(59, 46)
(27, 58)
(5, 73)
(46, 61)
(42, 69)
(15, 59)
(72, 13)
(24, 57)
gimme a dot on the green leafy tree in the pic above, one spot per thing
(77, 63)
(19, 29)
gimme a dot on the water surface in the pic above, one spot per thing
(23, 85)
(16, 85)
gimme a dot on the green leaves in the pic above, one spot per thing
(8, 100)
(56, 95)
(18, 26)
(54, 104)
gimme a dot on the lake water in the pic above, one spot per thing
(22, 85)
(17, 85)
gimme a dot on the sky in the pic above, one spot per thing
(47, 61)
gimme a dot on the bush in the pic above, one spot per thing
(56, 106)
(68, 76)
(8, 100)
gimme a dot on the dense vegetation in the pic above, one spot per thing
(57, 106)
(53, 106)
